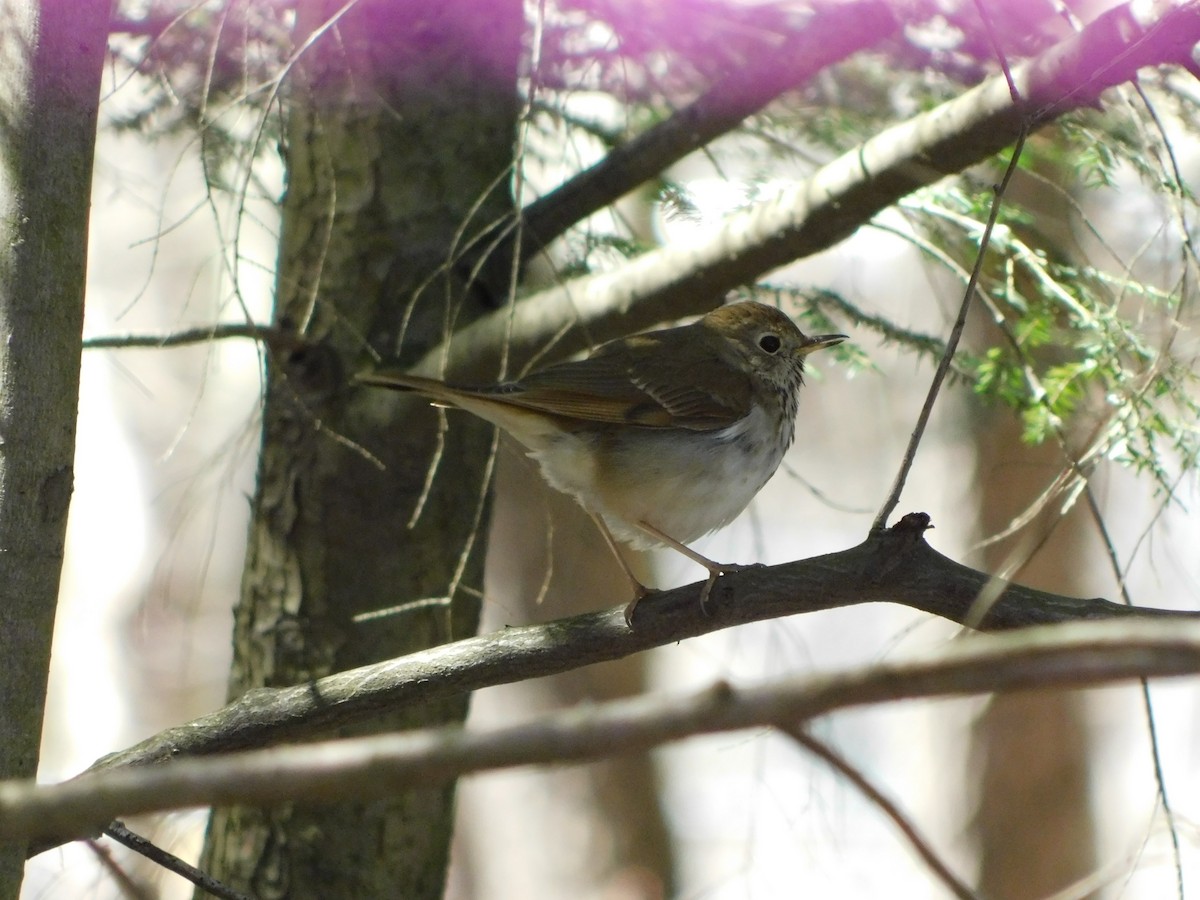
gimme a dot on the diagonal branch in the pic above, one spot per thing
(956, 332)
(916, 840)
(687, 278)
(833, 32)
(1083, 654)
(117, 831)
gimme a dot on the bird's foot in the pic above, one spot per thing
(715, 571)
(639, 591)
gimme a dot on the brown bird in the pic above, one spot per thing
(663, 436)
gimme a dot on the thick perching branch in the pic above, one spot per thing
(896, 566)
(893, 566)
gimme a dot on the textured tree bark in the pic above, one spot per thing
(49, 94)
(892, 566)
(400, 119)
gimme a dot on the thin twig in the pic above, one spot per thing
(939, 376)
(169, 861)
(994, 40)
(1160, 778)
(203, 334)
(127, 887)
(960, 323)
(852, 774)
(1188, 250)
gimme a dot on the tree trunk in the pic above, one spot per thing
(49, 94)
(400, 122)
(1030, 754)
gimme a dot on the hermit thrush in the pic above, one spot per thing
(663, 436)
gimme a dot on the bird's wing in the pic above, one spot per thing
(623, 389)
(624, 382)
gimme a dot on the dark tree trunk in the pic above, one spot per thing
(49, 93)
(400, 122)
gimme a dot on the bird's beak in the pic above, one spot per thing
(820, 342)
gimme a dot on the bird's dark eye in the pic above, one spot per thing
(770, 343)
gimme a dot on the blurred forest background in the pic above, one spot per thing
(350, 173)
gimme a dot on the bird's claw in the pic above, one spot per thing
(715, 573)
(639, 592)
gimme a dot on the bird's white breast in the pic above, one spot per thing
(684, 483)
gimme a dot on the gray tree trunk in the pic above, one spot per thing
(1030, 751)
(400, 123)
(49, 93)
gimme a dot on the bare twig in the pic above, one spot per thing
(840, 764)
(202, 335)
(127, 888)
(1189, 252)
(169, 861)
(1160, 778)
(1001, 57)
(910, 452)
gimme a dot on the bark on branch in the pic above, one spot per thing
(1078, 655)
(833, 32)
(896, 566)
(689, 278)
